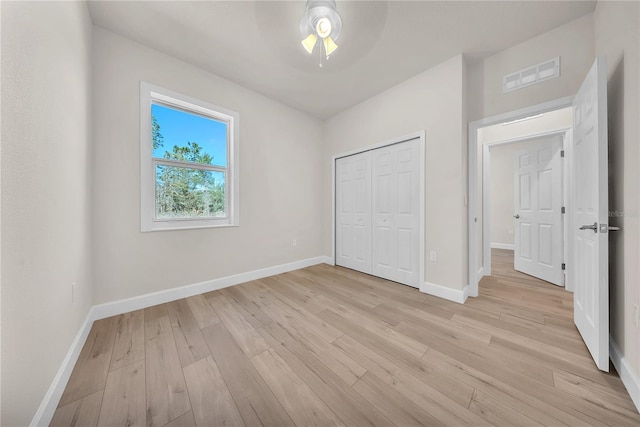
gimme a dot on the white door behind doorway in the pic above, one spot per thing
(538, 232)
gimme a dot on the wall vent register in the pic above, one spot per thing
(535, 74)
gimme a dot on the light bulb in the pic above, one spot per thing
(323, 27)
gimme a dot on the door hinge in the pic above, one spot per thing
(562, 153)
(564, 210)
(564, 266)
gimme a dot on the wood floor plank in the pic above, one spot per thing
(82, 413)
(414, 316)
(204, 314)
(166, 391)
(309, 320)
(296, 290)
(186, 333)
(235, 294)
(341, 364)
(350, 407)
(211, 401)
(240, 329)
(392, 404)
(497, 413)
(90, 372)
(123, 402)
(379, 328)
(598, 395)
(517, 399)
(442, 407)
(484, 355)
(254, 399)
(291, 391)
(184, 420)
(129, 342)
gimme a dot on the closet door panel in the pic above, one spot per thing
(407, 213)
(353, 212)
(383, 207)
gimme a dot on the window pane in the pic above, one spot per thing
(189, 137)
(189, 193)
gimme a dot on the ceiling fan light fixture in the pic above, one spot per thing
(329, 45)
(320, 21)
(309, 42)
(323, 27)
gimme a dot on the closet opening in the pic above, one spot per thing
(379, 208)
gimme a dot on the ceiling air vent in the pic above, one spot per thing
(531, 75)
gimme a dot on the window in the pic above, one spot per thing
(188, 162)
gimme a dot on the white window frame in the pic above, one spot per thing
(148, 222)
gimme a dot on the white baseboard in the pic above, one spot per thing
(509, 246)
(480, 273)
(629, 379)
(47, 408)
(326, 260)
(147, 300)
(455, 295)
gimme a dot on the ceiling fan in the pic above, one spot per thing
(320, 25)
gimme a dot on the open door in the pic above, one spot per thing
(538, 245)
(590, 233)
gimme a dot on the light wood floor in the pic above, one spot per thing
(326, 345)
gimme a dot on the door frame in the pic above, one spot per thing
(486, 193)
(421, 136)
(474, 270)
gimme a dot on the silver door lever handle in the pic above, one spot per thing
(593, 227)
(516, 216)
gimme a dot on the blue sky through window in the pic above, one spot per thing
(178, 128)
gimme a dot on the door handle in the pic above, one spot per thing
(593, 227)
(516, 216)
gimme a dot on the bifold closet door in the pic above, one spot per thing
(396, 212)
(353, 212)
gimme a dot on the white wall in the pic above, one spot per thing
(46, 140)
(501, 203)
(280, 169)
(616, 36)
(573, 42)
(433, 101)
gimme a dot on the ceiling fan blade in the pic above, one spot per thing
(309, 42)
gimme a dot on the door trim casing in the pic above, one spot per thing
(421, 136)
(472, 171)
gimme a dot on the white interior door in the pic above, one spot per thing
(538, 235)
(353, 212)
(590, 269)
(396, 212)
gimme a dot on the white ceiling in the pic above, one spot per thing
(257, 44)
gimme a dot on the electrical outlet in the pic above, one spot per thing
(434, 256)
(294, 243)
